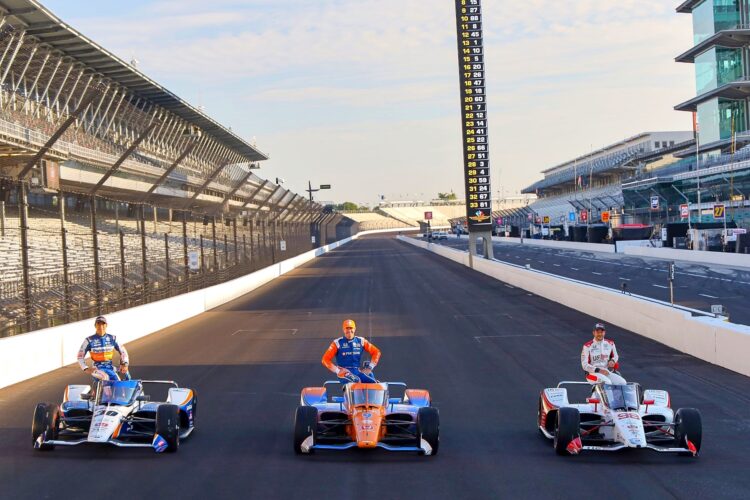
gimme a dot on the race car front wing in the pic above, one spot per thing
(308, 445)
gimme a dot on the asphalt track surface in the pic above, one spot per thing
(484, 350)
(696, 285)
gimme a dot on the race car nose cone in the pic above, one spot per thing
(367, 444)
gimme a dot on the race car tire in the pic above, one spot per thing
(428, 427)
(305, 423)
(568, 428)
(46, 420)
(688, 426)
(168, 425)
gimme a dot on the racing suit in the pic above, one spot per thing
(348, 354)
(597, 355)
(102, 349)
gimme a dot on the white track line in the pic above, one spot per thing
(659, 286)
(293, 330)
(477, 338)
(707, 296)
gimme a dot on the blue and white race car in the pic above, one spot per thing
(117, 413)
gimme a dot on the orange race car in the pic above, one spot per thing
(366, 417)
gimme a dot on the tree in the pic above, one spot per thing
(447, 196)
(347, 206)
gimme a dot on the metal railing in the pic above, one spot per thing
(56, 268)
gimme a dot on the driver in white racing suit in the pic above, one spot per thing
(599, 358)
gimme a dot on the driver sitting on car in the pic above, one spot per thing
(102, 346)
(599, 358)
(348, 352)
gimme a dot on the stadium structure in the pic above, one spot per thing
(713, 171)
(588, 185)
(116, 192)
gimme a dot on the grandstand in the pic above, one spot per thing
(715, 169)
(412, 213)
(372, 220)
(720, 179)
(91, 150)
(513, 210)
(593, 182)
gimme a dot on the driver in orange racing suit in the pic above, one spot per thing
(348, 352)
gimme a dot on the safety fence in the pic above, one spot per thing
(62, 259)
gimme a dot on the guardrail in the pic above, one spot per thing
(708, 338)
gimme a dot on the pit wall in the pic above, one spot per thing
(718, 258)
(567, 245)
(710, 339)
(34, 353)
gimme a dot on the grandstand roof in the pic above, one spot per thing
(44, 26)
(733, 90)
(686, 7)
(726, 38)
(599, 151)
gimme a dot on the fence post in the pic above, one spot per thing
(244, 249)
(213, 237)
(123, 280)
(265, 239)
(234, 233)
(24, 215)
(64, 241)
(144, 267)
(185, 250)
(95, 242)
(252, 246)
(166, 259)
(226, 252)
(273, 244)
(2, 218)
(203, 263)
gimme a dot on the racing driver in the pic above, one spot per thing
(102, 345)
(348, 351)
(599, 358)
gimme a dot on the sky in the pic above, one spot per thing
(364, 94)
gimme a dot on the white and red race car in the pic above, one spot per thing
(616, 417)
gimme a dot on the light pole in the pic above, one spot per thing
(310, 189)
(315, 226)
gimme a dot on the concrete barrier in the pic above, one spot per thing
(566, 245)
(710, 339)
(636, 249)
(720, 258)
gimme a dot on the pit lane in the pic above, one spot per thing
(697, 286)
(483, 350)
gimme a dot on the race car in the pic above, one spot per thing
(616, 417)
(117, 413)
(366, 417)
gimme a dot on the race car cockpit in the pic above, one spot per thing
(619, 397)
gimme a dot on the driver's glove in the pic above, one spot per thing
(344, 373)
(368, 365)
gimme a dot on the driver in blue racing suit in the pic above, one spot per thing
(348, 352)
(102, 346)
